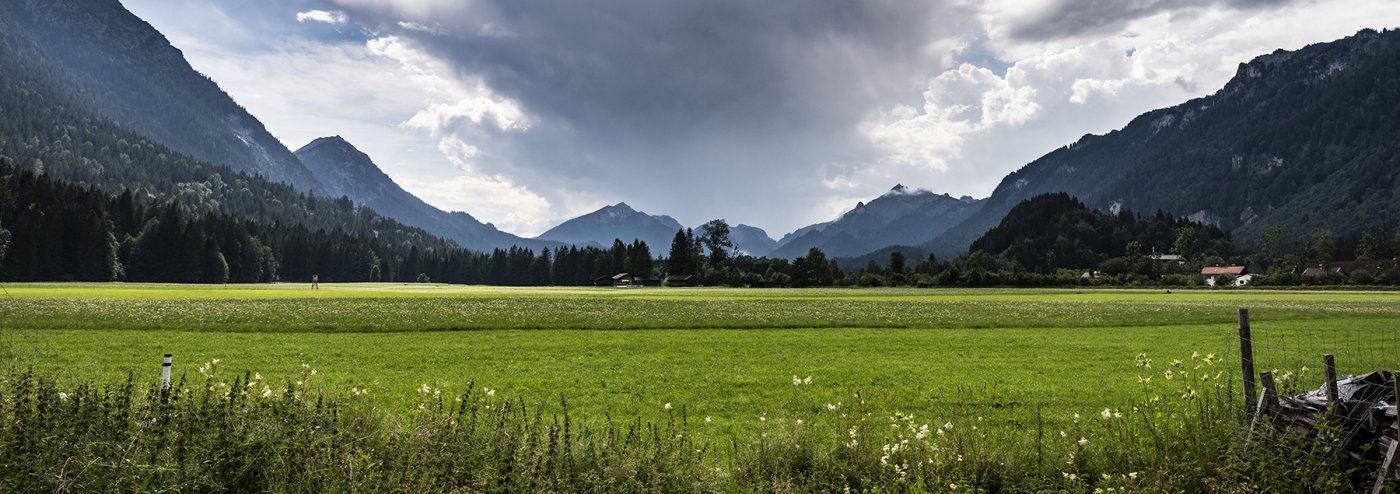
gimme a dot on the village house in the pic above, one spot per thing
(1214, 274)
(616, 280)
(605, 280)
(1347, 268)
(682, 280)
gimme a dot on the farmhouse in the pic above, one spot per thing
(682, 280)
(1346, 268)
(1373, 268)
(1223, 270)
(619, 279)
(1213, 273)
(1319, 270)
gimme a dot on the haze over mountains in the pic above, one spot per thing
(902, 216)
(345, 171)
(621, 222)
(1304, 139)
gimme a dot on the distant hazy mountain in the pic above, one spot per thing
(115, 65)
(752, 240)
(618, 221)
(902, 216)
(1304, 139)
(345, 171)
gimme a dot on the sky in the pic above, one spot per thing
(773, 113)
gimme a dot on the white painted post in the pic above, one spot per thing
(165, 372)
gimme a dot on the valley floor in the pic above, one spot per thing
(729, 356)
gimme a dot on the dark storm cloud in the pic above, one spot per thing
(1086, 17)
(632, 92)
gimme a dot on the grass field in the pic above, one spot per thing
(726, 354)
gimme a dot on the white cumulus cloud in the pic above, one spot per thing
(326, 16)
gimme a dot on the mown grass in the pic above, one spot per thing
(1005, 359)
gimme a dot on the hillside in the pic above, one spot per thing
(902, 216)
(1304, 139)
(103, 60)
(1052, 231)
(45, 132)
(345, 171)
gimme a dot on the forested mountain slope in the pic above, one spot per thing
(103, 60)
(42, 130)
(1306, 139)
(1052, 231)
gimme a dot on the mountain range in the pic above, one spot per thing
(902, 216)
(342, 170)
(620, 222)
(1300, 139)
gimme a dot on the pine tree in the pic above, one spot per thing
(678, 263)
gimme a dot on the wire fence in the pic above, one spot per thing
(1324, 394)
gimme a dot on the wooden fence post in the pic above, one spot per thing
(1247, 361)
(1263, 411)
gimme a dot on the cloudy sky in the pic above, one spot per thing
(774, 113)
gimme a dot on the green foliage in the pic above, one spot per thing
(241, 435)
(4, 244)
(210, 433)
(1054, 231)
(714, 235)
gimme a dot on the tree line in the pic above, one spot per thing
(54, 230)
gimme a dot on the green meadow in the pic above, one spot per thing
(726, 355)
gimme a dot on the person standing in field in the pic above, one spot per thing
(315, 282)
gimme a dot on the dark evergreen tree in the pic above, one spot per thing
(678, 263)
